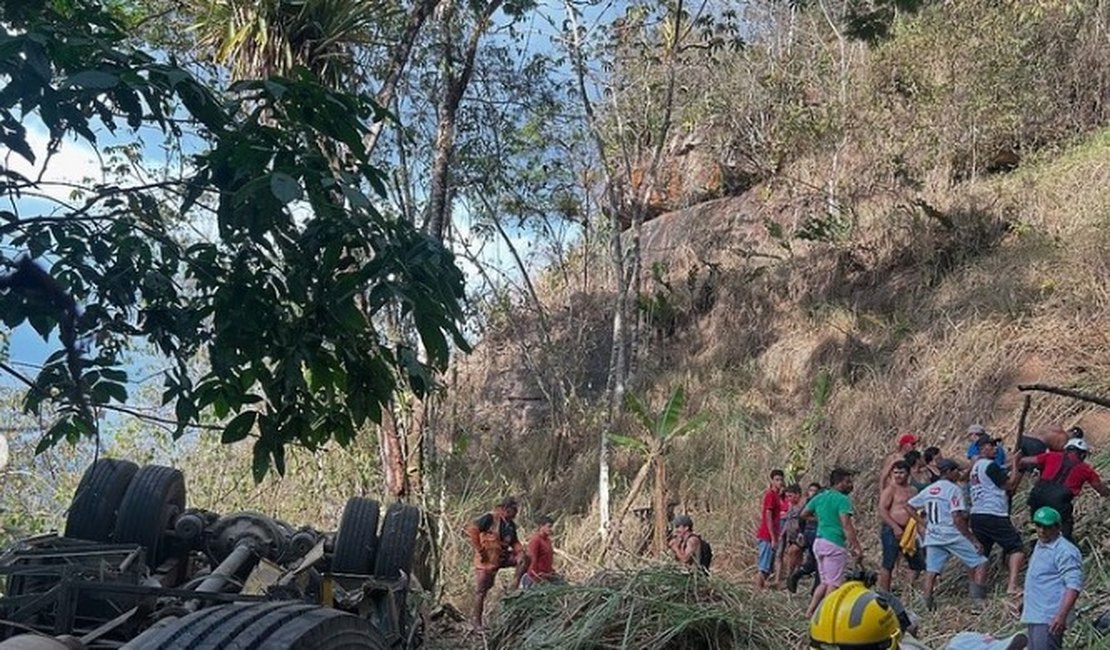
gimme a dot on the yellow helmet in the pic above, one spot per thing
(853, 617)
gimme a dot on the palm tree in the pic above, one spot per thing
(259, 38)
(659, 432)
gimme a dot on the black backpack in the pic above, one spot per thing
(705, 553)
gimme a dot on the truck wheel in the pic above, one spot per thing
(39, 642)
(264, 626)
(92, 513)
(356, 543)
(398, 541)
(153, 499)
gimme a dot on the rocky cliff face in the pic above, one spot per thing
(906, 319)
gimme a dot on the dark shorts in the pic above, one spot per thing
(892, 551)
(994, 529)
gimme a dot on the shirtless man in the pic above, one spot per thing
(1051, 437)
(895, 512)
(907, 442)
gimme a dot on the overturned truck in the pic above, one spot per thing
(136, 568)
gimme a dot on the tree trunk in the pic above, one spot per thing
(438, 213)
(417, 17)
(393, 458)
(659, 505)
(633, 492)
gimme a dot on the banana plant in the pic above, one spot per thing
(657, 434)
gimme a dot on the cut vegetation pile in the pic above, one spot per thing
(658, 607)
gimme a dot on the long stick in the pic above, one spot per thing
(1067, 392)
(1021, 422)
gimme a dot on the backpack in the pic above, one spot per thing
(1052, 492)
(705, 553)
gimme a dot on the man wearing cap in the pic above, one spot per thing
(685, 545)
(907, 442)
(990, 509)
(974, 433)
(947, 532)
(1063, 475)
(836, 542)
(1052, 583)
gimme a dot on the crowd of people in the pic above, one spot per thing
(933, 509)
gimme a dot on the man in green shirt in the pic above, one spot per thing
(836, 542)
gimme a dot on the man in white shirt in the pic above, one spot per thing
(942, 510)
(990, 509)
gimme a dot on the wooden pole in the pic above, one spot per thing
(1067, 392)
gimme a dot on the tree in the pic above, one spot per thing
(658, 433)
(246, 259)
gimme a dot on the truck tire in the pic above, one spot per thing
(356, 542)
(263, 626)
(154, 498)
(92, 513)
(398, 541)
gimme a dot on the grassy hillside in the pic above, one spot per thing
(906, 322)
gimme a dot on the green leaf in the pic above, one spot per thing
(94, 79)
(260, 465)
(285, 188)
(239, 428)
(689, 426)
(634, 405)
(671, 412)
(628, 442)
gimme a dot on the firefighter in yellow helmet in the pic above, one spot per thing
(854, 617)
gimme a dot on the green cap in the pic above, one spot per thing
(1046, 517)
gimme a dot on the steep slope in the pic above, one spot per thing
(919, 316)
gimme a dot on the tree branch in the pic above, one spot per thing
(1066, 392)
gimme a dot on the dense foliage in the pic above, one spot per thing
(265, 259)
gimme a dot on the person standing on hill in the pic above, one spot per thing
(809, 535)
(919, 471)
(837, 542)
(541, 555)
(907, 442)
(791, 540)
(1063, 475)
(932, 456)
(896, 513)
(977, 432)
(947, 532)
(767, 535)
(990, 509)
(496, 546)
(1052, 583)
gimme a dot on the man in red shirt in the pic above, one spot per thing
(1063, 475)
(541, 554)
(767, 536)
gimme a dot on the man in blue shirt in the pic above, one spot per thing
(1052, 583)
(976, 431)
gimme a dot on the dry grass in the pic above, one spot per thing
(918, 327)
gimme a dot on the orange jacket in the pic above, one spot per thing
(489, 548)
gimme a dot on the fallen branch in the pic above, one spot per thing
(1067, 392)
(1021, 422)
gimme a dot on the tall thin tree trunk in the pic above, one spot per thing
(417, 17)
(393, 457)
(437, 215)
(659, 506)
